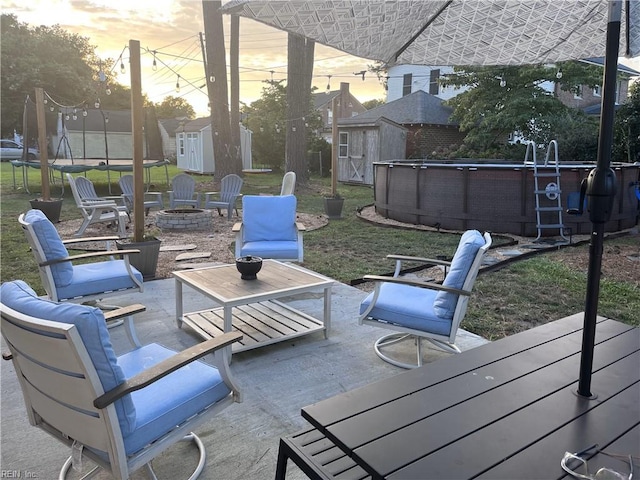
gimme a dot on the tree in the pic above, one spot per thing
(299, 76)
(216, 66)
(266, 118)
(174, 107)
(501, 100)
(373, 103)
(626, 147)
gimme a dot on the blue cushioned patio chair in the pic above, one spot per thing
(122, 411)
(269, 228)
(62, 280)
(424, 310)
(230, 187)
(183, 192)
(97, 209)
(151, 199)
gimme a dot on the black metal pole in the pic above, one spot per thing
(601, 186)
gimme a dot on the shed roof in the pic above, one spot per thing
(417, 107)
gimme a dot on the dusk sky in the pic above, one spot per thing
(171, 29)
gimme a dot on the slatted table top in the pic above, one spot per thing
(224, 285)
(503, 410)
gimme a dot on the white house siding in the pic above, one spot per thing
(420, 80)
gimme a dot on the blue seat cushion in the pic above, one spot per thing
(470, 242)
(274, 249)
(171, 400)
(407, 306)
(269, 218)
(52, 246)
(91, 326)
(99, 277)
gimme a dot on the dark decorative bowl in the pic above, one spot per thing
(249, 266)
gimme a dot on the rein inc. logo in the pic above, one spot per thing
(17, 474)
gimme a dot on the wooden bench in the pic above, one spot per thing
(317, 457)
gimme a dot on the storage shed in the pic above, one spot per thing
(194, 146)
(360, 144)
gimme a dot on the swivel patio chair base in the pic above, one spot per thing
(192, 437)
(395, 338)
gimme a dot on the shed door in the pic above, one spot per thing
(194, 152)
(356, 155)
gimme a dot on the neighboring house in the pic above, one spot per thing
(194, 145)
(348, 106)
(403, 80)
(168, 127)
(362, 141)
(426, 119)
(101, 134)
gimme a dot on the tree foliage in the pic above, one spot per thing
(506, 99)
(266, 118)
(174, 107)
(373, 103)
(626, 146)
(64, 64)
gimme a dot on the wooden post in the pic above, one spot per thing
(334, 148)
(42, 144)
(136, 128)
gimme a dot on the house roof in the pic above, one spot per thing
(595, 109)
(621, 68)
(417, 107)
(195, 125)
(170, 124)
(323, 98)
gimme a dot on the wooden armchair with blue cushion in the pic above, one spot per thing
(62, 280)
(419, 310)
(269, 228)
(122, 411)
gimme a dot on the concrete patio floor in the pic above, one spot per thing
(276, 381)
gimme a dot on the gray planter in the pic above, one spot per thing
(333, 207)
(51, 208)
(147, 260)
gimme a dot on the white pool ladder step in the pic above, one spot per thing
(549, 197)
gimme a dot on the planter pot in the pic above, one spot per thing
(333, 207)
(51, 208)
(147, 260)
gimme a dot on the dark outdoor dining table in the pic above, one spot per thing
(507, 409)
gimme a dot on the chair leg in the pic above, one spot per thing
(392, 339)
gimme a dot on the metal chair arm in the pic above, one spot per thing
(416, 283)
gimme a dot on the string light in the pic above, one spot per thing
(559, 74)
(329, 83)
(122, 70)
(97, 104)
(154, 67)
(178, 84)
(503, 82)
(108, 90)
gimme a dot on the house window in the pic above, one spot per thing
(329, 116)
(406, 84)
(434, 86)
(597, 91)
(181, 144)
(343, 144)
(578, 92)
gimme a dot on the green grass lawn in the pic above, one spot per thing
(522, 295)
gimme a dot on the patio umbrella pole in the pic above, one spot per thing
(600, 191)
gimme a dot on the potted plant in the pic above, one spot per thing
(146, 261)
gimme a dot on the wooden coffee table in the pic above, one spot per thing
(250, 306)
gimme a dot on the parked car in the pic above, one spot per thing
(10, 150)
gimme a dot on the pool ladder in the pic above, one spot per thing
(548, 198)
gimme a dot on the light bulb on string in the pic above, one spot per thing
(97, 104)
(66, 116)
(503, 82)
(122, 70)
(46, 100)
(559, 74)
(178, 84)
(75, 114)
(154, 66)
(329, 84)
(52, 108)
(262, 129)
(108, 90)
(212, 78)
(293, 129)
(106, 118)
(84, 112)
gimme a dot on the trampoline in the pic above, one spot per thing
(84, 165)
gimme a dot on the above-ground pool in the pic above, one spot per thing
(495, 197)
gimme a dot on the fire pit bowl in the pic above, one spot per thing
(249, 266)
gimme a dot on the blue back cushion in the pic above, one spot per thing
(52, 245)
(269, 218)
(92, 328)
(471, 241)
